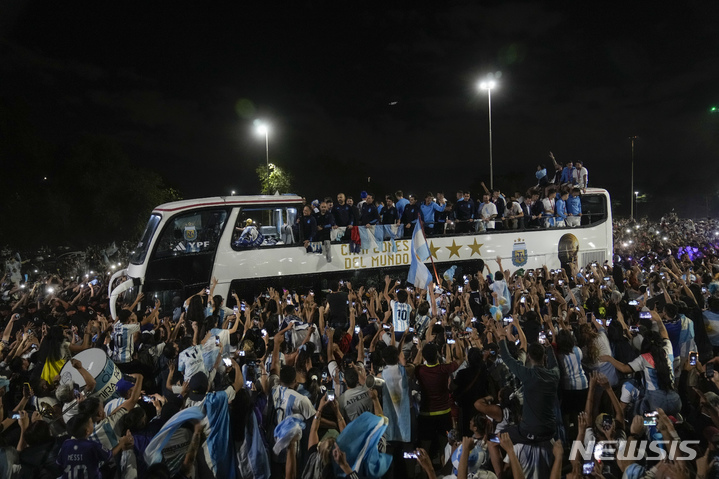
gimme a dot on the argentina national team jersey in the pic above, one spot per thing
(400, 316)
(122, 336)
(191, 362)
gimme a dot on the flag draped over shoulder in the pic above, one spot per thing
(153, 452)
(219, 439)
(419, 274)
(252, 454)
(359, 442)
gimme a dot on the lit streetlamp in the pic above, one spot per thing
(488, 85)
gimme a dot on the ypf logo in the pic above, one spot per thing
(519, 253)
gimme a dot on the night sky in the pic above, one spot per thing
(358, 90)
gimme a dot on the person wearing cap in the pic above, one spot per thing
(198, 388)
(123, 390)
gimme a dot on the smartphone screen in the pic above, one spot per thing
(710, 370)
(650, 418)
(228, 362)
(693, 358)
(331, 395)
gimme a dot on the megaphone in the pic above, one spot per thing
(373, 382)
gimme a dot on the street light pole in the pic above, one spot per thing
(263, 129)
(631, 211)
(488, 85)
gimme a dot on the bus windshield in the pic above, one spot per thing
(138, 257)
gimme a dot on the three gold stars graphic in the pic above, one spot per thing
(454, 249)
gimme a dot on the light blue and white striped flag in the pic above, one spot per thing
(419, 274)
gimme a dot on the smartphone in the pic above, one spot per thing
(411, 330)
(217, 340)
(248, 384)
(94, 282)
(587, 468)
(386, 327)
(235, 310)
(372, 320)
(147, 398)
(633, 302)
(207, 290)
(16, 416)
(410, 455)
(264, 333)
(330, 394)
(357, 329)
(451, 341)
(650, 418)
(506, 321)
(242, 352)
(542, 337)
(494, 438)
(560, 282)
(693, 358)
(459, 289)
(645, 315)
(591, 280)
(608, 321)
(324, 376)
(522, 299)
(634, 329)
(415, 340)
(709, 368)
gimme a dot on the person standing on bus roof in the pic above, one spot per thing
(487, 214)
(389, 214)
(401, 202)
(428, 208)
(325, 223)
(561, 209)
(369, 214)
(574, 208)
(308, 227)
(343, 213)
(410, 215)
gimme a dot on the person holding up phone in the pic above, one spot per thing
(655, 361)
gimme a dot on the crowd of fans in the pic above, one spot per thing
(482, 375)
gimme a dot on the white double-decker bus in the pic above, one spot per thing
(187, 243)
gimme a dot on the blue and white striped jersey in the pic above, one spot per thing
(400, 316)
(122, 336)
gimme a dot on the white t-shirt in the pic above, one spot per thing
(288, 402)
(488, 210)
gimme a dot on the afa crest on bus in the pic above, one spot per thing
(519, 253)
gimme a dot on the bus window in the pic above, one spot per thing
(192, 232)
(594, 209)
(138, 256)
(263, 226)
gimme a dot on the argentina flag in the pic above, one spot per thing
(419, 274)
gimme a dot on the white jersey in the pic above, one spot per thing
(190, 362)
(123, 338)
(400, 316)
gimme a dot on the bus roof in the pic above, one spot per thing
(229, 201)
